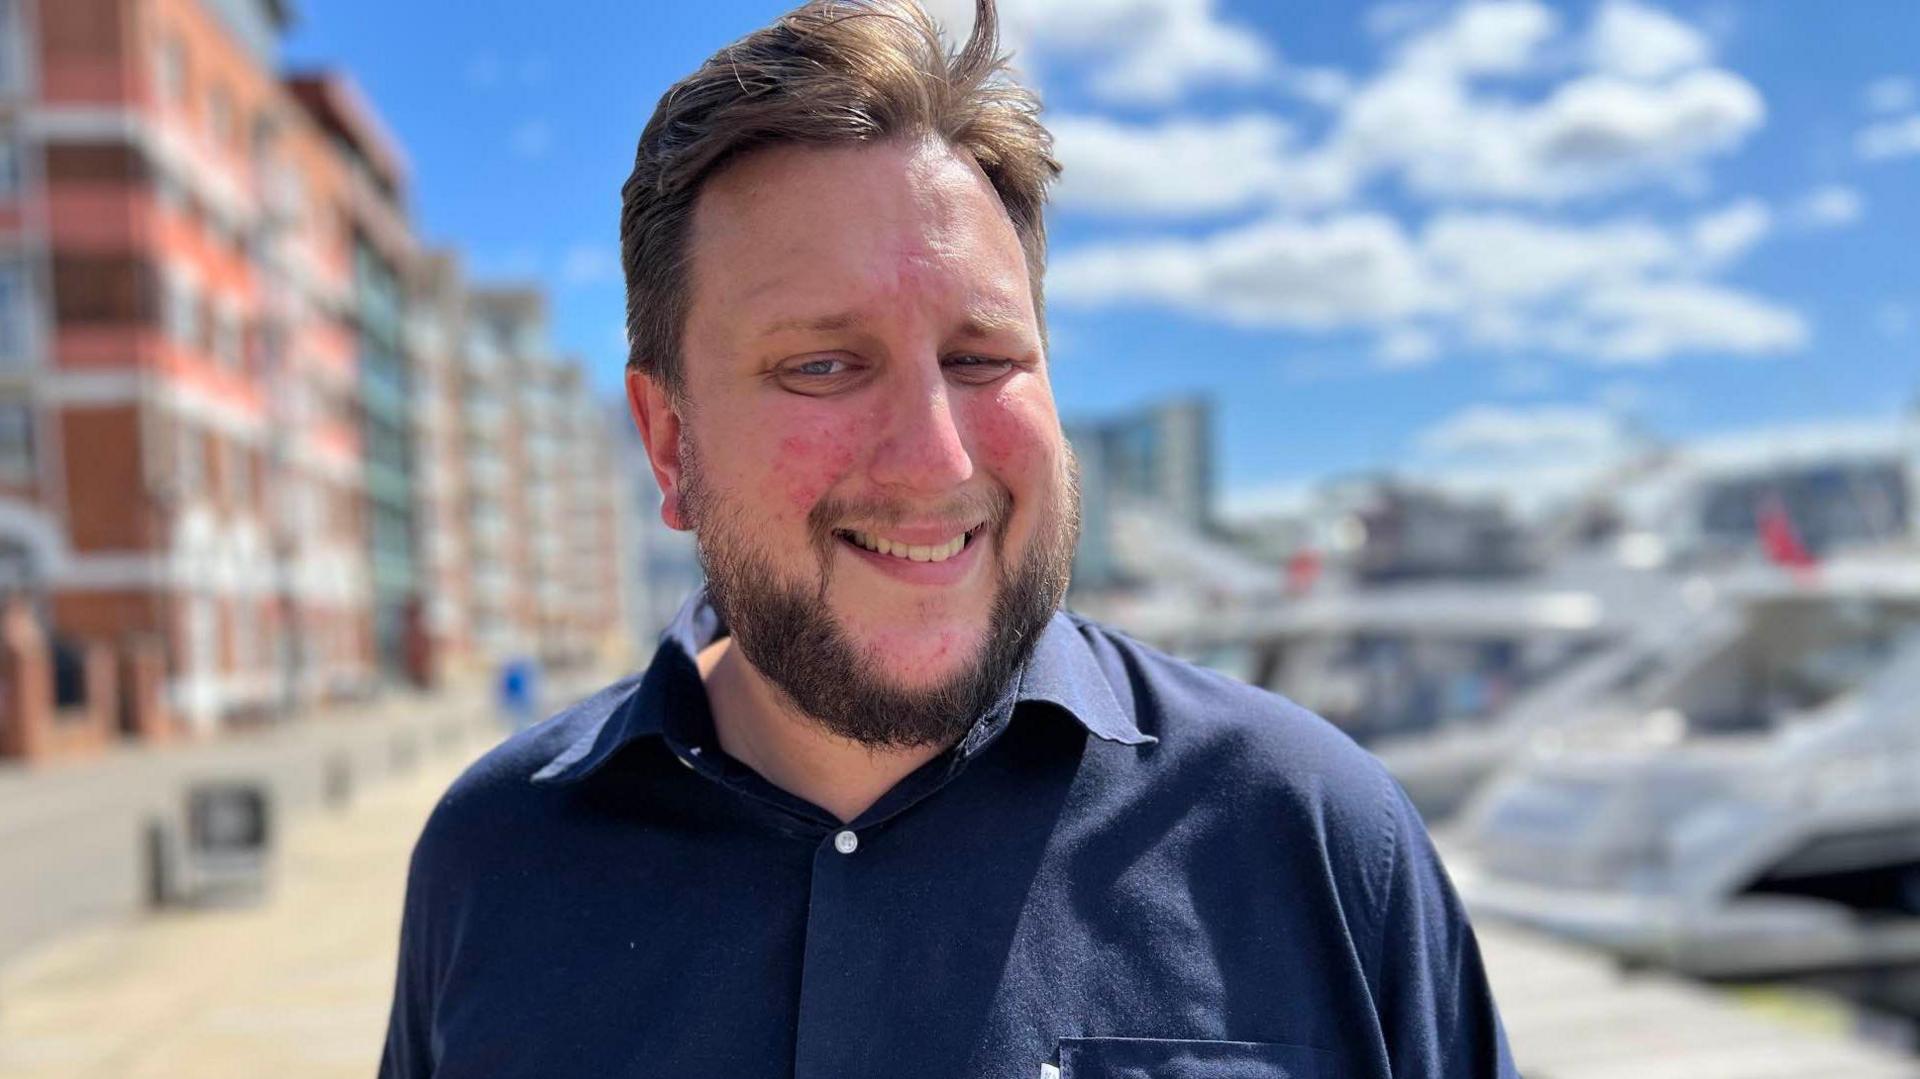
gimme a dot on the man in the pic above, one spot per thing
(877, 808)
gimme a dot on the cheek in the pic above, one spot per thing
(1016, 437)
(807, 461)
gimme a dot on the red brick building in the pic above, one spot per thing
(242, 418)
(185, 459)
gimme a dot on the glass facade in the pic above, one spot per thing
(388, 446)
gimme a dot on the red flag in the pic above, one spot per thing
(1303, 570)
(1779, 538)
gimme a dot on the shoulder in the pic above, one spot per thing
(1196, 710)
(1224, 739)
(495, 801)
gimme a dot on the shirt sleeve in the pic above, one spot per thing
(408, 1053)
(1436, 1008)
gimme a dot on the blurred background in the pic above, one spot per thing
(1531, 388)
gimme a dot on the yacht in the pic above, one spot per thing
(1744, 804)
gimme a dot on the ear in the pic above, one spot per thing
(659, 425)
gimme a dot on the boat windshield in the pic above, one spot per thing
(1793, 657)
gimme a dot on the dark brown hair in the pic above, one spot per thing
(831, 71)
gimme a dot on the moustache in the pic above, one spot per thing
(987, 508)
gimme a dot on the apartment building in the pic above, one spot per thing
(200, 352)
(242, 415)
(149, 143)
(436, 335)
(580, 607)
(383, 251)
(316, 497)
(543, 495)
(503, 325)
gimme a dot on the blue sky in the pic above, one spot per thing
(1428, 236)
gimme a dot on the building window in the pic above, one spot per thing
(16, 316)
(170, 68)
(220, 117)
(191, 466)
(168, 194)
(247, 649)
(12, 54)
(226, 334)
(239, 476)
(9, 164)
(16, 440)
(182, 312)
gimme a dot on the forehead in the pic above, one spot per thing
(865, 229)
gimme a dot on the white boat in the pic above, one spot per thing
(1744, 805)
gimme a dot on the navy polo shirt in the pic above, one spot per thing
(1130, 866)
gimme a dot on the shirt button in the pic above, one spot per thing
(846, 842)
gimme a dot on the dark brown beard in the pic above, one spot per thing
(790, 635)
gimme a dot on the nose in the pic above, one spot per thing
(923, 447)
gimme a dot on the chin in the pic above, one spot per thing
(916, 655)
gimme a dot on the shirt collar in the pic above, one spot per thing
(1062, 672)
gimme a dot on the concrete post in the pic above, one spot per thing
(144, 673)
(26, 683)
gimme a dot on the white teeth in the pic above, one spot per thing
(938, 552)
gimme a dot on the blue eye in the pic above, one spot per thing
(978, 368)
(821, 376)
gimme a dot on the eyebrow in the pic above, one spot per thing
(814, 324)
(977, 324)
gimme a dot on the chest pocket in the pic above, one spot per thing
(1156, 1058)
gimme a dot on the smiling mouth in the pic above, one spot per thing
(938, 552)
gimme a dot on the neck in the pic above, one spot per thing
(761, 729)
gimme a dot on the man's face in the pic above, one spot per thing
(869, 449)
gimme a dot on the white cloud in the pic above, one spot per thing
(1356, 270)
(1439, 116)
(1400, 16)
(1829, 206)
(1270, 500)
(1327, 87)
(1590, 137)
(1491, 37)
(1402, 347)
(1889, 139)
(1142, 51)
(1624, 291)
(1496, 430)
(531, 139)
(1531, 458)
(1500, 260)
(1649, 323)
(1640, 42)
(1893, 93)
(1725, 235)
(1625, 398)
(1429, 121)
(1187, 46)
(1476, 109)
(1183, 166)
(1598, 133)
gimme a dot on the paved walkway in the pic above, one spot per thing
(297, 988)
(1573, 1015)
